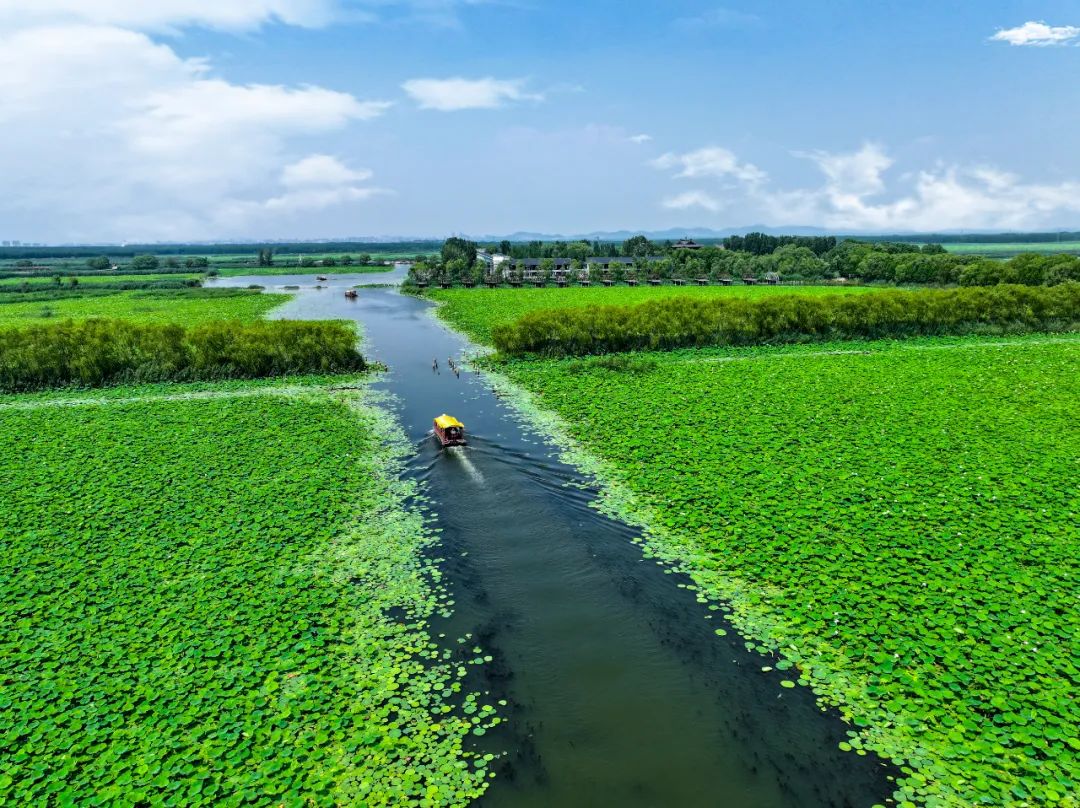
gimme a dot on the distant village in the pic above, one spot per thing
(605, 269)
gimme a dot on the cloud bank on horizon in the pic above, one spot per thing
(122, 123)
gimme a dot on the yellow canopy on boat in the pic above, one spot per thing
(447, 421)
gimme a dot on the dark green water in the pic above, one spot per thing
(620, 691)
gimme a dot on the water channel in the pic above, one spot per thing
(620, 691)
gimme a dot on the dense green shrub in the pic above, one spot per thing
(93, 353)
(687, 321)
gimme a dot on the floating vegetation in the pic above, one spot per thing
(896, 526)
(222, 600)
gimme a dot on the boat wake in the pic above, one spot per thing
(458, 453)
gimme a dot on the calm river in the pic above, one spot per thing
(620, 692)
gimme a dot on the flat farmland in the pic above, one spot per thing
(1009, 249)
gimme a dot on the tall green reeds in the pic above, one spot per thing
(686, 322)
(94, 353)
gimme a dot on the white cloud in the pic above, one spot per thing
(163, 14)
(856, 195)
(111, 135)
(711, 161)
(640, 138)
(717, 18)
(1038, 34)
(320, 181)
(858, 173)
(692, 199)
(448, 95)
(321, 170)
(233, 15)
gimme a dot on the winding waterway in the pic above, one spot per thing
(620, 692)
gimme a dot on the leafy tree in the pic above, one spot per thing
(578, 250)
(24, 263)
(145, 262)
(456, 269)
(933, 249)
(266, 258)
(793, 261)
(877, 266)
(363, 259)
(844, 259)
(100, 262)
(172, 263)
(455, 247)
(305, 261)
(196, 262)
(420, 271)
(73, 282)
(329, 261)
(637, 246)
(346, 260)
(986, 272)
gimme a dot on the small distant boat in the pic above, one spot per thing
(449, 430)
(351, 294)
(321, 278)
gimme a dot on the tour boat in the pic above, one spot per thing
(321, 278)
(449, 430)
(351, 294)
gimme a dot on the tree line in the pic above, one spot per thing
(683, 322)
(789, 258)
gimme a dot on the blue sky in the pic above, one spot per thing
(191, 119)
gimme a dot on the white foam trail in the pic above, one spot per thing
(470, 469)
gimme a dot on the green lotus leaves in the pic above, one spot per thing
(196, 589)
(895, 524)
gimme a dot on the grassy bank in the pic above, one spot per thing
(215, 595)
(99, 279)
(185, 306)
(282, 267)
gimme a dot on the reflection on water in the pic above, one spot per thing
(620, 691)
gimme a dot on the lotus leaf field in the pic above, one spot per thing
(895, 523)
(214, 595)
